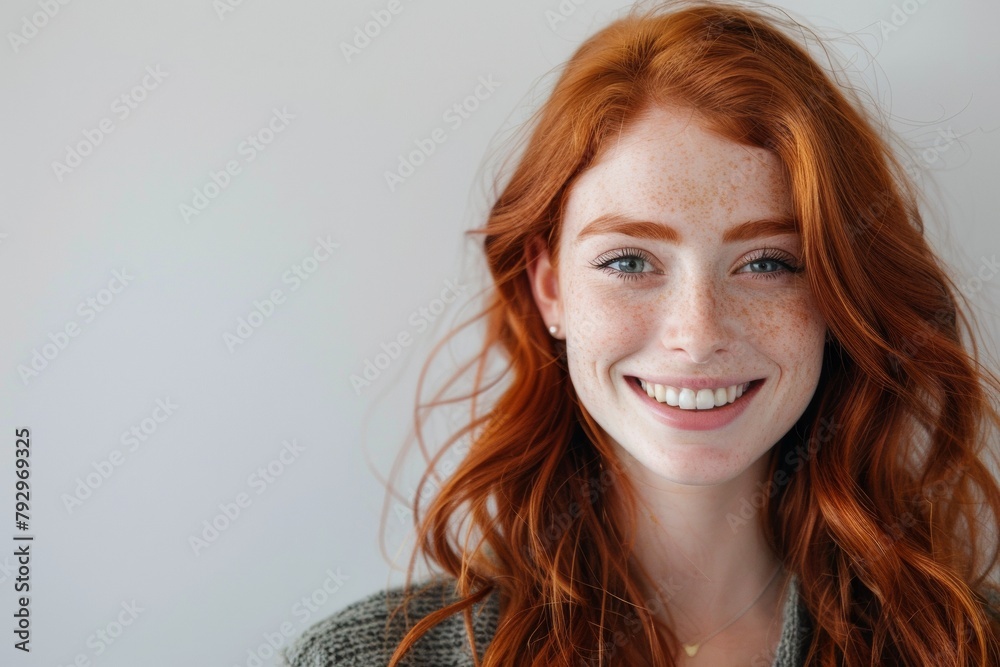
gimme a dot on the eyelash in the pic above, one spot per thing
(767, 254)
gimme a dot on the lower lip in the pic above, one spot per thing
(697, 420)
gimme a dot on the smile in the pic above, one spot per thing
(696, 410)
(693, 399)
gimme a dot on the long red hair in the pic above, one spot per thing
(882, 505)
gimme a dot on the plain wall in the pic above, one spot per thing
(185, 279)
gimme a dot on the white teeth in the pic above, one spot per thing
(690, 399)
(687, 399)
(705, 399)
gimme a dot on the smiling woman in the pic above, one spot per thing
(746, 421)
(717, 304)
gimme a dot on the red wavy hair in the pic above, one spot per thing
(882, 505)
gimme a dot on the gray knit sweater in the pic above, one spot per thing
(355, 636)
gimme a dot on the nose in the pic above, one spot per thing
(696, 319)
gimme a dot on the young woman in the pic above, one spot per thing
(742, 423)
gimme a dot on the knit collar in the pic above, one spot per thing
(795, 629)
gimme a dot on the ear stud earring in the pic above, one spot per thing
(554, 329)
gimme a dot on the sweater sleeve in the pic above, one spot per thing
(358, 635)
(992, 606)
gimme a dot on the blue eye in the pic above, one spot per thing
(631, 259)
(780, 262)
(768, 263)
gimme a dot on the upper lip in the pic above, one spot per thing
(695, 382)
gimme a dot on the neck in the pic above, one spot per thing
(704, 551)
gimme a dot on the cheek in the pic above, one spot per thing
(599, 320)
(792, 331)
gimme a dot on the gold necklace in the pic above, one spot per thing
(692, 649)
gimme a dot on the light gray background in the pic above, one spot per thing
(161, 337)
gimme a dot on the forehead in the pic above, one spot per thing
(666, 166)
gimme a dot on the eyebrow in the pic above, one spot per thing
(616, 223)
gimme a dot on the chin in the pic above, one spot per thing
(689, 464)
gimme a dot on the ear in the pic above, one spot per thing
(544, 282)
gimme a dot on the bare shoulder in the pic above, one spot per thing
(366, 632)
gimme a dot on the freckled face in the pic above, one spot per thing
(696, 306)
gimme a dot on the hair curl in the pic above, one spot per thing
(889, 519)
